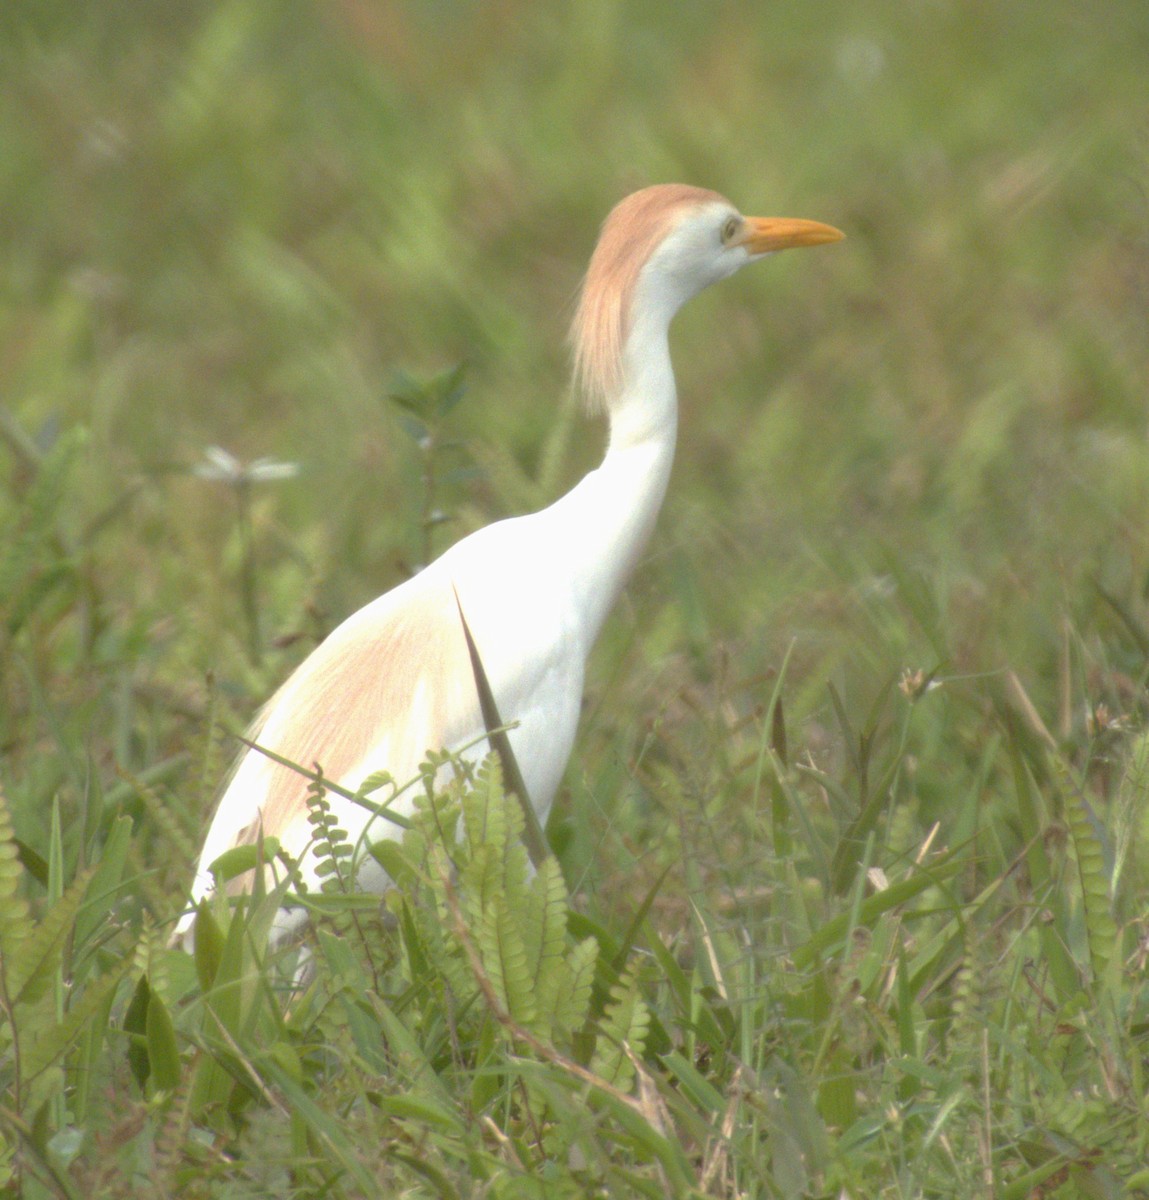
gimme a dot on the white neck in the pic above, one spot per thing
(609, 516)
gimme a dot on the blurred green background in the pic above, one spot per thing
(233, 223)
(230, 223)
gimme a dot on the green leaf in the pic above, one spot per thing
(907, 1026)
(408, 1051)
(33, 862)
(163, 1050)
(392, 857)
(106, 880)
(135, 1026)
(667, 1151)
(837, 1090)
(441, 1183)
(694, 1083)
(418, 963)
(421, 1109)
(241, 859)
(225, 1000)
(626, 945)
(209, 941)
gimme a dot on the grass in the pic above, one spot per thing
(854, 854)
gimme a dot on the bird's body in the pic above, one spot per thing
(395, 679)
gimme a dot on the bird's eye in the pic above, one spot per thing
(729, 228)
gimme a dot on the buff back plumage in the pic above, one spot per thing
(630, 235)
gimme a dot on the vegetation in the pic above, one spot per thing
(850, 869)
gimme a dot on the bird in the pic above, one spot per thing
(395, 679)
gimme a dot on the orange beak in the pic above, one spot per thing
(765, 235)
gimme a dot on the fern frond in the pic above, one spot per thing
(490, 779)
(544, 928)
(480, 881)
(516, 875)
(495, 860)
(333, 848)
(16, 925)
(569, 1006)
(625, 1023)
(28, 972)
(485, 816)
(1088, 843)
(171, 1135)
(505, 961)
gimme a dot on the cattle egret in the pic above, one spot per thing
(395, 679)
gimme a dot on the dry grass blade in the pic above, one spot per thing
(500, 743)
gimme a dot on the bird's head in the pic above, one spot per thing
(658, 248)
